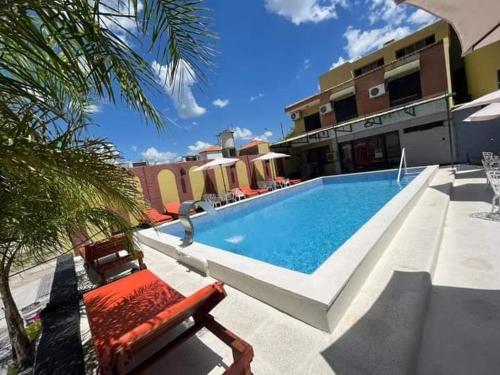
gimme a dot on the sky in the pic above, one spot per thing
(269, 53)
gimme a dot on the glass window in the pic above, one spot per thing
(345, 109)
(392, 149)
(415, 46)
(498, 78)
(369, 67)
(312, 122)
(405, 89)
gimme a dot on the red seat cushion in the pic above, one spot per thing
(156, 217)
(120, 307)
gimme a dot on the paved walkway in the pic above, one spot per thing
(462, 334)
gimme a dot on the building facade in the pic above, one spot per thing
(367, 110)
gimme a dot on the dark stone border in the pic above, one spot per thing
(60, 348)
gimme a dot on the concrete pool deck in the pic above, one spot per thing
(431, 305)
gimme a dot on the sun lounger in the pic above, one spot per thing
(152, 216)
(173, 209)
(249, 193)
(238, 194)
(291, 181)
(137, 319)
(109, 255)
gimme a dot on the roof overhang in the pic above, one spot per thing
(344, 93)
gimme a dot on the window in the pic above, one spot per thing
(368, 68)
(423, 127)
(345, 109)
(498, 78)
(312, 122)
(405, 89)
(415, 46)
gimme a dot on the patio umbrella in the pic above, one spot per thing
(475, 22)
(492, 97)
(271, 156)
(219, 162)
(490, 112)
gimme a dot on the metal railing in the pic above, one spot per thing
(402, 163)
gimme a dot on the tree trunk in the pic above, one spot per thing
(23, 349)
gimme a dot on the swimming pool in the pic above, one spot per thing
(299, 231)
(306, 249)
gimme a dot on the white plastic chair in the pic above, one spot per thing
(213, 199)
(238, 194)
(494, 180)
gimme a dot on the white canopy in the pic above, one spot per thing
(475, 21)
(492, 97)
(219, 162)
(271, 156)
(492, 111)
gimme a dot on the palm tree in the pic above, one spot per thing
(55, 59)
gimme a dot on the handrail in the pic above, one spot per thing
(401, 162)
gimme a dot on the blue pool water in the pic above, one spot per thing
(301, 227)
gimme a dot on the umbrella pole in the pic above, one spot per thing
(223, 179)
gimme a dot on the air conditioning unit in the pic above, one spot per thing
(295, 116)
(325, 108)
(377, 91)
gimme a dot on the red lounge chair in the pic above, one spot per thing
(173, 209)
(104, 256)
(133, 320)
(252, 192)
(153, 216)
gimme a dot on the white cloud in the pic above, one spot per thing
(198, 146)
(387, 11)
(133, 148)
(258, 96)
(93, 108)
(301, 11)
(421, 17)
(120, 18)
(360, 42)
(306, 65)
(247, 134)
(266, 136)
(242, 133)
(221, 103)
(153, 156)
(179, 88)
(339, 62)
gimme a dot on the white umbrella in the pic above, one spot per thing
(475, 22)
(271, 156)
(490, 112)
(492, 97)
(219, 162)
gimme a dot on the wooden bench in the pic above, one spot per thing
(104, 256)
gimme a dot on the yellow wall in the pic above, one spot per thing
(197, 182)
(343, 72)
(263, 148)
(259, 171)
(168, 186)
(219, 181)
(140, 198)
(481, 69)
(241, 172)
(299, 124)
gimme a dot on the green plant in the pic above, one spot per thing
(56, 59)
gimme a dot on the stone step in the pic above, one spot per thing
(381, 331)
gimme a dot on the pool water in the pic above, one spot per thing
(299, 231)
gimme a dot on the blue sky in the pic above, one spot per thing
(270, 53)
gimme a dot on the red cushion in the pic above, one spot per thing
(172, 208)
(137, 309)
(118, 308)
(156, 217)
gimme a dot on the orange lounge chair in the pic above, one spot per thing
(173, 209)
(133, 320)
(252, 192)
(152, 215)
(104, 256)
